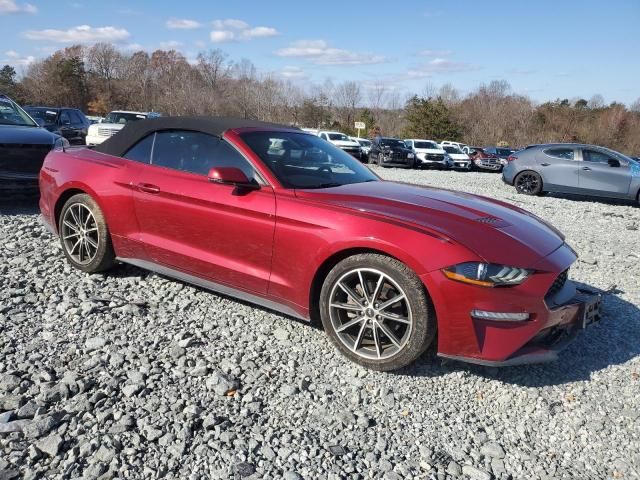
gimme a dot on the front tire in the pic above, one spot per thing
(377, 312)
(84, 235)
(528, 183)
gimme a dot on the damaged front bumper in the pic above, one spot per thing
(567, 320)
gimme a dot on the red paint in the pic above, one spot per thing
(272, 242)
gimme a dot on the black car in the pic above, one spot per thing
(67, 122)
(23, 146)
(391, 152)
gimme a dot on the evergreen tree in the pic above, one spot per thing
(430, 118)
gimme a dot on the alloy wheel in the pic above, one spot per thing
(527, 183)
(370, 313)
(80, 235)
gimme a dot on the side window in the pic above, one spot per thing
(64, 118)
(595, 156)
(227, 156)
(196, 152)
(409, 143)
(75, 118)
(141, 151)
(323, 136)
(80, 118)
(563, 153)
(183, 150)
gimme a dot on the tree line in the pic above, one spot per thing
(102, 78)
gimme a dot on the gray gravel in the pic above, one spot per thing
(133, 375)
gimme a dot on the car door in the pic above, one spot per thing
(206, 229)
(604, 173)
(559, 168)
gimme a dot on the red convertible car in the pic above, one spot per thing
(284, 219)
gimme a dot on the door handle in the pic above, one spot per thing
(587, 169)
(545, 164)
(148, 188)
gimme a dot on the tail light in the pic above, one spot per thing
(511, 158)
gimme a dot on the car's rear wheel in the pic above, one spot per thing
(377, 312)
(84, 235)
(528, 183)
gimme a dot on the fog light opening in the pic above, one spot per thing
(500, 316)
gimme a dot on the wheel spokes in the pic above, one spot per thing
(79, 233)
(377, 341)
(350, 324)
(358, 341)
(395, 318)
(390, 335)
(370, 313)
(394, 300)
(351, 293)
(346, 306)
(376, 291)
(363, 286)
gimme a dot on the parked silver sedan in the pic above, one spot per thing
(573, 168)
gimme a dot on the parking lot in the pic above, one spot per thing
(133, 375)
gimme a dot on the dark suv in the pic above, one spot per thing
(391, 152)
(67, 122)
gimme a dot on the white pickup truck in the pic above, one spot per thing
(113, 123)
(342, 141)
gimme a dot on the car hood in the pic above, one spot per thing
(108, 125)
(495, 231)
(344, 143)
(26, 135)
(459, 156)
(430, 150)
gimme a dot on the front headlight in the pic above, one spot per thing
(410, 155)
(60, 144)
(487, 274)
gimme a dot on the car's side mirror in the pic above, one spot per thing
(231, 176)
(613, 162)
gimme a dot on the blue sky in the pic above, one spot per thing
(544, 49)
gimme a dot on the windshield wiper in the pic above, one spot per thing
(326, 185)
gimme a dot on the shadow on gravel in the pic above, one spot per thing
(613, 341)
(584, 198)
(19, 205)
(124, 270)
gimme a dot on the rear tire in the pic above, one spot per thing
(84, 235)
(528, 183)
(361, 322)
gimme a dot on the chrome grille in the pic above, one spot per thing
(107, 132)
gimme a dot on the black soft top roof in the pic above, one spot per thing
(135, 131)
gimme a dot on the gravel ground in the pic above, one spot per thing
(133, 375)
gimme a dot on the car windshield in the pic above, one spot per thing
(123, 118)
(364, 143)
(12, 114)
(339, 136)
(427, 145)
(451, 149)
(43, 115)
(503, 152)
(301, 160)
(392, 142)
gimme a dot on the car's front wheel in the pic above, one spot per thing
(84, 235)
(528, 183)
(377, 312)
